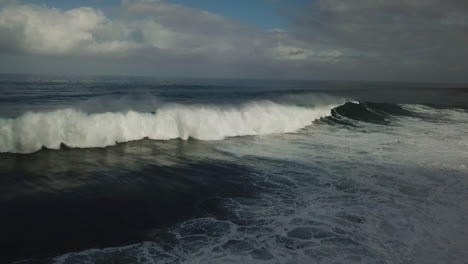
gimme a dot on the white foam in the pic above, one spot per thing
(76, 129)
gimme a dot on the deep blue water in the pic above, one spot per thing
(142, 170)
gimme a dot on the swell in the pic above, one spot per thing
(368, 112)
(77, 129)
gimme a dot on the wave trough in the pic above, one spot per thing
(77, 129)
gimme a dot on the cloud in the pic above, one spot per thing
(5, 2)
(157, 34)
(142, 24)
(407, 36)
(385, 24)
(48, 31)
(327, 39)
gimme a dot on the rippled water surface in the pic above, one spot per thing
(246, 172)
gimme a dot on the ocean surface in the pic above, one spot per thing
(143, 170)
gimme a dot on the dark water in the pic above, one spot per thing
(137, 170)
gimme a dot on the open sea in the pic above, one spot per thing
(141, 170)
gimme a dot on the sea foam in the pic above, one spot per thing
(76, 129)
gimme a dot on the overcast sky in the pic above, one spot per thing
(388, 40)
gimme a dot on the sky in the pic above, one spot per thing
(369, 40)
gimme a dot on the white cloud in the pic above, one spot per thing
(43, 30)
(142, 25)
(50, 31)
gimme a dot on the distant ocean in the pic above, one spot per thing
(143, 170)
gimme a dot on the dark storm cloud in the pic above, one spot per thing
(407, 37)
(387, 25)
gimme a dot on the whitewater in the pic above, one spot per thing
(76, 129)
(140, 170)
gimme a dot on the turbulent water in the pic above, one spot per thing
(139, 170)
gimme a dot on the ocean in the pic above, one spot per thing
(145, 170)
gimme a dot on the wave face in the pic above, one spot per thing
(369, 112)
(76, 129)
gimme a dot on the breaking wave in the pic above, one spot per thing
(76, 129)
(369, 112)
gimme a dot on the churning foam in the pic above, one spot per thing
(32, 131)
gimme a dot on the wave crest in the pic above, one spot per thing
(76, 129)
